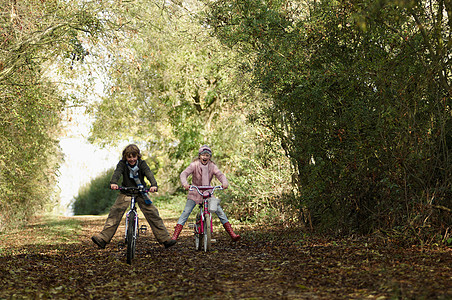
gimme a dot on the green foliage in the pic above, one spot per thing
(96, 197)
(29, 152)
(176, 88)
(34, 34)
(259, 179)
(359, 100)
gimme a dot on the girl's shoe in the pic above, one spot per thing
(228, 227)
(177, 231)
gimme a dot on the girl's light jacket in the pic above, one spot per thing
(195, 169)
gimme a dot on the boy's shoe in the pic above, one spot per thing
(169, 243)
(99, 242)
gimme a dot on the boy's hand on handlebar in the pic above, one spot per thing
(186, 186)
(114, 186)
(224, 186)
(153, 189)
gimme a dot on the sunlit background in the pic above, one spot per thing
(82, 160)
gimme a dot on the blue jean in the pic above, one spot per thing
(189, 208)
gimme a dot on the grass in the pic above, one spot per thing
(54, 230)
(170, 207)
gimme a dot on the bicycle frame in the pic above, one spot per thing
(203, 215)
(131, 237)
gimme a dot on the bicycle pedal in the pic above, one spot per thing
(143, 229)
(213, 240)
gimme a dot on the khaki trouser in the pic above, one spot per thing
(150, 212)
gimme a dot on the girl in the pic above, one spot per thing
(202, 170)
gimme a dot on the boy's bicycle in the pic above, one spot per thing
(203, 225)
(132, 232)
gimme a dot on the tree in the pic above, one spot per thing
(360, 102)
(33, 36)
(174, 87)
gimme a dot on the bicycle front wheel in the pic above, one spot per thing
(197, 232)
(131, 236)
(207, 240)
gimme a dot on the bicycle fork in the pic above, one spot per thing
(198, 225)
(207, 212)
(200, 222)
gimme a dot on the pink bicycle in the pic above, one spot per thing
(203, 225)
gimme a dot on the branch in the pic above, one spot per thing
(434, 55)
(424, 34)
(17, 52)
(441, 207)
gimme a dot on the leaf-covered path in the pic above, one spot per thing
(266, 264)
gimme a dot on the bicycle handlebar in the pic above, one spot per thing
(205, 187)
(134, 189)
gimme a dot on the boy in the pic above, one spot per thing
(133, 170)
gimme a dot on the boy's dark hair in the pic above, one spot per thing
(131, 150)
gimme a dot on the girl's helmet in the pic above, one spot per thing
(205, 149)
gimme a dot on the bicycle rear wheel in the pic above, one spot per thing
(207, 238)
(131, 236)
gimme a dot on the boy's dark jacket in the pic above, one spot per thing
(123, 170)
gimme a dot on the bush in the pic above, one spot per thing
(95, 198)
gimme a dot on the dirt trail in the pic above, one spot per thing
(266, 264)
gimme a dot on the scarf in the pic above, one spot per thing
(133, 173)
